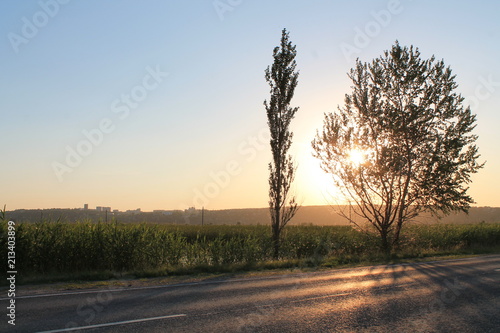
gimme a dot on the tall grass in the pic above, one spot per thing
(71, 248)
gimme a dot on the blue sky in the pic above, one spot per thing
(171, 93)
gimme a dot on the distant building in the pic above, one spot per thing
(164, 212)
(103, 209)
(135, 211)
(190, 210)
(86, 206)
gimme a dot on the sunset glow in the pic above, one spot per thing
(357, 156)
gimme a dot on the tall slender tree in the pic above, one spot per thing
(402, 144)
(282, 79)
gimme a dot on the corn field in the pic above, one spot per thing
(61, 247)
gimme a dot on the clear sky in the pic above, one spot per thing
(159, 104)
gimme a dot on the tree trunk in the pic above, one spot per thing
(276, 242)
(276, 233)
(386, 244)
(397, 233)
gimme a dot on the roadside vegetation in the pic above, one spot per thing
(51, 251)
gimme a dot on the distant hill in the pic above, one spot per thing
(318, 215)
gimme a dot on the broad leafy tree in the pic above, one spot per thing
(282, 79)
(402, 144)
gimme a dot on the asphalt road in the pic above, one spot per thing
(444, 296)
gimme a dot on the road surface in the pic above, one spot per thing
(460, 295)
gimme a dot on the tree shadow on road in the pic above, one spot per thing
(443, 296)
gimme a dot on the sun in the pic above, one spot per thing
(357, 156)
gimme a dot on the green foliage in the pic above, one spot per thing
(282, 79)
(413, 136)
(86, 248)
(439, 238)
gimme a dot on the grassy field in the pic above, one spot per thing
(56, 250)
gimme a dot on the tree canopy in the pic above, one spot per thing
(282, 79)
(411, 137)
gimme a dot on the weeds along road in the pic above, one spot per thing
(460, 295)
